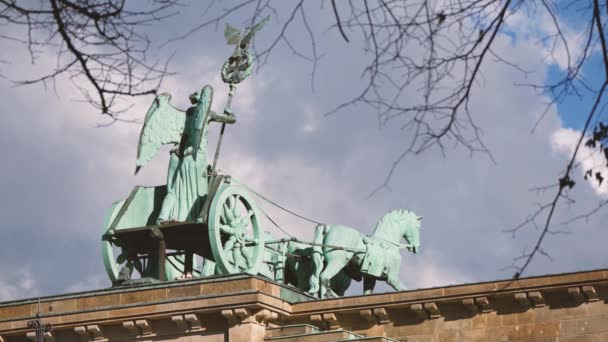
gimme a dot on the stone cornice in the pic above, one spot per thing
(476, 297)
(109, 307)
(243, 298)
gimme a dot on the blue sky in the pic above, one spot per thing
(60, 172)
(572, 110)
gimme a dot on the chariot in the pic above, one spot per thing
(227, 235)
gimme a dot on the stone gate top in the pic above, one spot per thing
(563, 307)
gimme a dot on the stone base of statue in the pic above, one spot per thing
(565, 307)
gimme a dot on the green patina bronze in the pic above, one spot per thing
(196, 203)
(157, 230)
(187, 178)
(373, 257)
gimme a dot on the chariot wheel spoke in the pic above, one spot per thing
(231, 238)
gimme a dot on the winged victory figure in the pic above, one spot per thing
(187, 175)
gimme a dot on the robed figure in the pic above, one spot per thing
(187, 175)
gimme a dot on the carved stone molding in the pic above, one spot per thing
(426, 310)
(326, 321)
(130, 325)
(96, 332)
(48, 336)
(237, 316)
(484, 304)
(138, 327)
(264, 316)
(470, 305)
(230, 317)
(477, 305)
(367, 315)
(591, 293)
(377, 315)
(316, 318)
(382, 315)
(144, 326)
(522, 299)
(332, 320)
(241, 313)
(419, 310)
(537, 298)
(187, 321)
(580, 294)
(530, 299)
(194, 322)
(576, 294)
(82, 331)
(432, 309)
(179, 320)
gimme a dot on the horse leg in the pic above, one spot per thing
(340, 283)
(394, 281)
(369, 282)
(317, 258)
(336, 260)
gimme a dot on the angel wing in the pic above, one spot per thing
(232, 35)
(164, 125)
(249, 36)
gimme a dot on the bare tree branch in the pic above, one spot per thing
(338, 22)
(98, 42)
(424, 64)
(565, 180)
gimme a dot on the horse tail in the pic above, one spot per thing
(317, 257)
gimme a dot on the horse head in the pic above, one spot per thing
(400, 224)
(411, 231)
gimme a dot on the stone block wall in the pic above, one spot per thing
(555, 308)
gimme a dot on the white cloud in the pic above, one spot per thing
(432, 273)
(537, 25)
(310, 189)
(20, 284)
(311, 120)
(91, 282)
(324, 174)
(564, 141)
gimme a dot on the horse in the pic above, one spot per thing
(374, 257)
(299, 268)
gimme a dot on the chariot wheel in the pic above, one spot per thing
(235, 235)
(117, 258)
